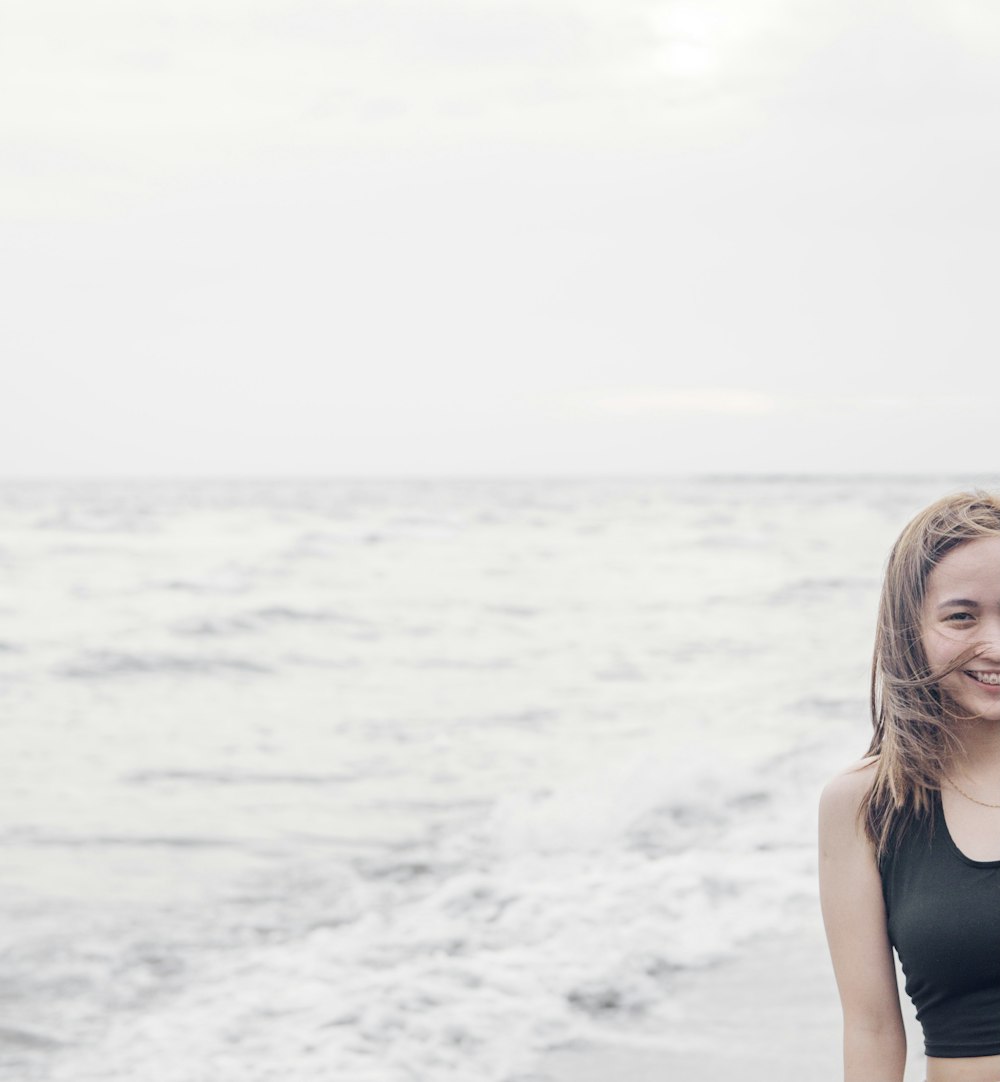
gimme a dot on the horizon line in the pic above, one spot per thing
(743, 475)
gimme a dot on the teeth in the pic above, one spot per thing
(986, 677)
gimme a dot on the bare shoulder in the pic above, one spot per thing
(851, 785)
(843, 795)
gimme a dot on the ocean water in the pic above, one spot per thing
(381, 781)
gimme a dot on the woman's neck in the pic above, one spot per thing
(979, 755)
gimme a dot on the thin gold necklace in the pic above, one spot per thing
(966, 795)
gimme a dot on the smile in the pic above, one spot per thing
(983, 677)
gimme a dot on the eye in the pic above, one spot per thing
(960, 617)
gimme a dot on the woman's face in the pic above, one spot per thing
(961, 609)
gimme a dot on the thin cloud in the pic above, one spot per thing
(745, 402)
(889, 403)
(653, 401)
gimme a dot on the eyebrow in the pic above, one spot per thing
(963, 601)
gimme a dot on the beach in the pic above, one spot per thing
(439, 781)
(770, 1015)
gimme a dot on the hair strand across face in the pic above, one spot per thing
(914, 723)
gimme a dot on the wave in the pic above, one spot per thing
(214, 627)
(517, 719)
(460, 664)
(289, 614)
(102, 841)
(28, 1039)
(105, 664)
(229, 581)
(525, 612)
(320, 544)
(235, 777)
(820, 589)
(100, 520)
(255, 620)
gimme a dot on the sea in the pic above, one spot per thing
(411, 780)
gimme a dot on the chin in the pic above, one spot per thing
(977, 711)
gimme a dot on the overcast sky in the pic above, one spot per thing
(499, 237)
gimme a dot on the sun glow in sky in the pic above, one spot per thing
(610, 236)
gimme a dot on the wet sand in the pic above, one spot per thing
(771, 1015)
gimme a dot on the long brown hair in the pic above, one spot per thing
(914, 735)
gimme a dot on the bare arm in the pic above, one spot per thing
(855, 920)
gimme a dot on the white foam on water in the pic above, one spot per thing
(547, 920)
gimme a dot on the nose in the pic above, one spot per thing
(989, 640)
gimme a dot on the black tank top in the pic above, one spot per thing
(944, 921)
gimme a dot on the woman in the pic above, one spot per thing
(910, 836)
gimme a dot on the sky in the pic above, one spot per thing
(493, 237)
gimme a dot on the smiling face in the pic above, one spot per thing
(961, 609)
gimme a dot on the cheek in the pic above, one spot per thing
(939, 647)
